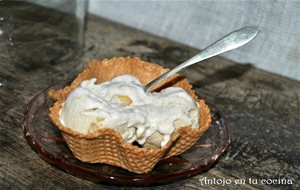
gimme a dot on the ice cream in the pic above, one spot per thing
(121, 104)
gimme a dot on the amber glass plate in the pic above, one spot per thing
(47, 141)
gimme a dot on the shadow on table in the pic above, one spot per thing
(227, 73)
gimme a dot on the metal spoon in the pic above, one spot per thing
(231, 41)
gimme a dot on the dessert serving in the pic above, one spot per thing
(105, 115)
(123, 105)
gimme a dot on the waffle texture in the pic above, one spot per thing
(106, 145)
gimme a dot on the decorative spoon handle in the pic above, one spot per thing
(231, 41)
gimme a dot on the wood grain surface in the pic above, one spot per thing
(262, 109)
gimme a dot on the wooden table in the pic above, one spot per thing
(262, 109)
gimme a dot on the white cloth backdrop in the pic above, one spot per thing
(199, 23)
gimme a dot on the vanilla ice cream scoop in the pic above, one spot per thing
(122, 104)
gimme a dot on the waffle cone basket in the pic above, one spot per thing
(106, 145)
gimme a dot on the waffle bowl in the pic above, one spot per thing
(106, 145)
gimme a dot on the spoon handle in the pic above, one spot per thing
(231, 41)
